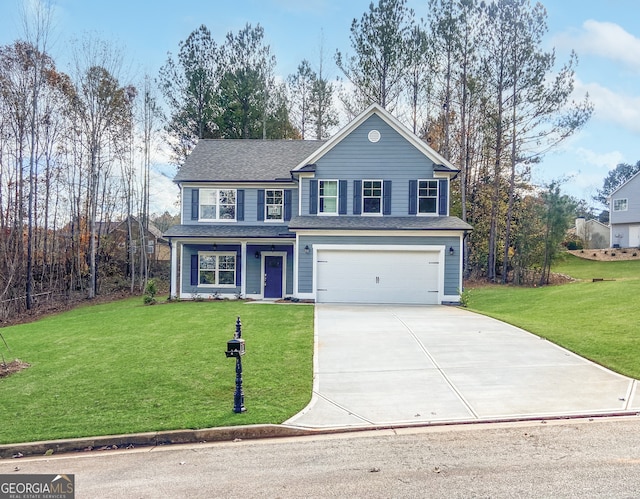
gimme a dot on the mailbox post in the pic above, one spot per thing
(235, 349)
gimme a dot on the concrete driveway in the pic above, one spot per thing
(387, 364)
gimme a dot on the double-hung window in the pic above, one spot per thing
(274, 205)
(328, 196)
(372, 196)
(217, 204)
(620, 204)
(216, 269)
(428, 197)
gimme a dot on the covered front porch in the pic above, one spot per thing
(222, 265)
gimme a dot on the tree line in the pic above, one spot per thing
(471, 79)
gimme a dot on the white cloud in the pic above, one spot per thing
(606, 40)
(608, 160)
(612, 107)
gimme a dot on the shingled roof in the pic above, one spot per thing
(250, 160)
(377, 223)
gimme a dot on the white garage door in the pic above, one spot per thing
(377, 276)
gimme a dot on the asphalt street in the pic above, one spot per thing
(559, 459)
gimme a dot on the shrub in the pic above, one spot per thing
(150, 292)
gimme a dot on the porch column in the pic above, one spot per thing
(174, 270)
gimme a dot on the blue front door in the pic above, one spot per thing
(273, 276)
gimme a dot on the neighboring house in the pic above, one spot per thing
(624, 214)
(362, 217)
(593, 233)
(156, 246)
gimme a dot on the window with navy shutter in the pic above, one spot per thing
(443, 200)
(357, 197)
(288, 196)
(195, 204)
(413, 197)
(342, 197)
(260, 205)
(240, 205)
(194, 270)
(386, 197)
(313, 197)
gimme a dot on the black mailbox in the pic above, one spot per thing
(235, 347)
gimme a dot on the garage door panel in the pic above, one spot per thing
(377, 276)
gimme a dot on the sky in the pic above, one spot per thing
(604, 34)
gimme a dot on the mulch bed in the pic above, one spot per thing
(8, 368)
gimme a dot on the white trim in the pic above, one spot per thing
(432, 248)
(273, 220)
(283, 254)
(173, 290)
(393, 123)
(437, 197)
(243, 269)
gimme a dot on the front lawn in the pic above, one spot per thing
(598, 320)
(123, 367)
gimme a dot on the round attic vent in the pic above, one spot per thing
(374, 136)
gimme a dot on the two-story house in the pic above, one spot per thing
(624, 214)
(362, 217)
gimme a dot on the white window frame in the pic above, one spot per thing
(321, 197)
(216, 270)
(205, 195)
(381, 197)
(621, 204)
(268, 205)
(419, 197)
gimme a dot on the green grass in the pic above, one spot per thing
(598, 320)
(123, 367)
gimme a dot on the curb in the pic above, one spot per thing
(248, 432)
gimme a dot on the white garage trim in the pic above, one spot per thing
(436, 251)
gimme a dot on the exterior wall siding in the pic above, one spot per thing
(452, 262)
(356, 158)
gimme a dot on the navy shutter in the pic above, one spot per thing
(313, 197)
(287, 204)
(238, 268)
(195, 204)
(386, 197)
(443, 201)
(413, 197)
(357, 197)
(342, 197)
(260, 205)
(240, 205)
(194, 270)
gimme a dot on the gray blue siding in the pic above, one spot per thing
(356, 158)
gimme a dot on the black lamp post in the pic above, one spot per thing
(235, 348)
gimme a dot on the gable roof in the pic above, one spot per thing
(441, 164)
(245, 160)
